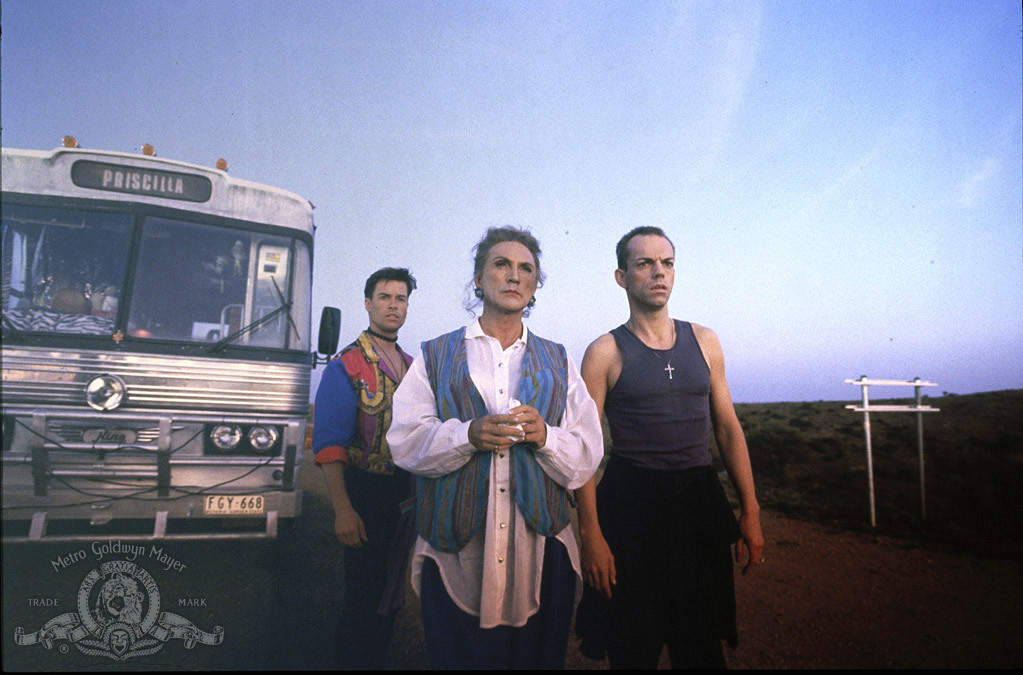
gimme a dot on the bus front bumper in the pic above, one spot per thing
(215, 515)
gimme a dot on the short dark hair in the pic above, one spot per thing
(622, 250)
(389, 274)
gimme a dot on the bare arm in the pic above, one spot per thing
(348, 524)
(731, 443)
(600, 370)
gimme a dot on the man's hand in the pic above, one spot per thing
(532, 423)
(495, 432)
(598, 564)
(753, 538)
(349, 528)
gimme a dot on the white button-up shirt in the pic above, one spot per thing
(496, 576)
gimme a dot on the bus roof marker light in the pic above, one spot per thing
(69, 142)
(222, 164)
(148, 150)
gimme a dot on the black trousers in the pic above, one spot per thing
(362, 636)
(670, 533)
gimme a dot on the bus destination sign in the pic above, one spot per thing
(138, 181)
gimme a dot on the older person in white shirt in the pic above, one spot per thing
(496, 564)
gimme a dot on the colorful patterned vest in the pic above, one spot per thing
(374, 389)
(450, 509)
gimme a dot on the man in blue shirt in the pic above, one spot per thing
(353, 413)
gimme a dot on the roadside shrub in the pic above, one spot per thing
(800, 423)
(772, 446)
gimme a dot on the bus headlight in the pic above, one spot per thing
(262, 439)
(105, 392)
(226, 437)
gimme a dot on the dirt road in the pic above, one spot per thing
(827, 598)
(833, 599)
(823, 599)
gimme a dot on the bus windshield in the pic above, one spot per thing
(63, 269)
(66, 271)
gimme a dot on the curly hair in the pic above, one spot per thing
(493, 237)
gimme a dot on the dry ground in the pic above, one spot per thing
(826, 596)
(832, 599)
(945, 593)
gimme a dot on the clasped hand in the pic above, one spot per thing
(522, 424)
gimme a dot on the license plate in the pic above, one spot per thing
(233, 505)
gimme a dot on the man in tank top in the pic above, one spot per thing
(656, 533)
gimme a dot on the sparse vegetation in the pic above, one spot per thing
(809, 460)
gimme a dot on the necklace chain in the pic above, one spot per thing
(657, 352)
(396, 369)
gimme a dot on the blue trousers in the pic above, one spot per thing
(455, 641)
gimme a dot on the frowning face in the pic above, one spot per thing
(650, 273)
(509, 278)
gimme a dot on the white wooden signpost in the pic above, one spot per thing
(919, 409)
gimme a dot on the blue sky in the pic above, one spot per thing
(843, 180)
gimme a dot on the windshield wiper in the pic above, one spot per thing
(265, 319)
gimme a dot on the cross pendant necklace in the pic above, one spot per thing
(668, 369)
(674, 337)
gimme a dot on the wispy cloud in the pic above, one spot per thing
(970, 188)
(737, 44)
(852, 172)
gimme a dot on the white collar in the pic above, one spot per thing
(474, 331)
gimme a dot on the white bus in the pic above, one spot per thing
(156, 348)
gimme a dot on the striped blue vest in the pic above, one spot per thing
(450, 509)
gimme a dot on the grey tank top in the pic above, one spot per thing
(659, 409)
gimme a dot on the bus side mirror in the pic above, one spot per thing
(330, 330)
